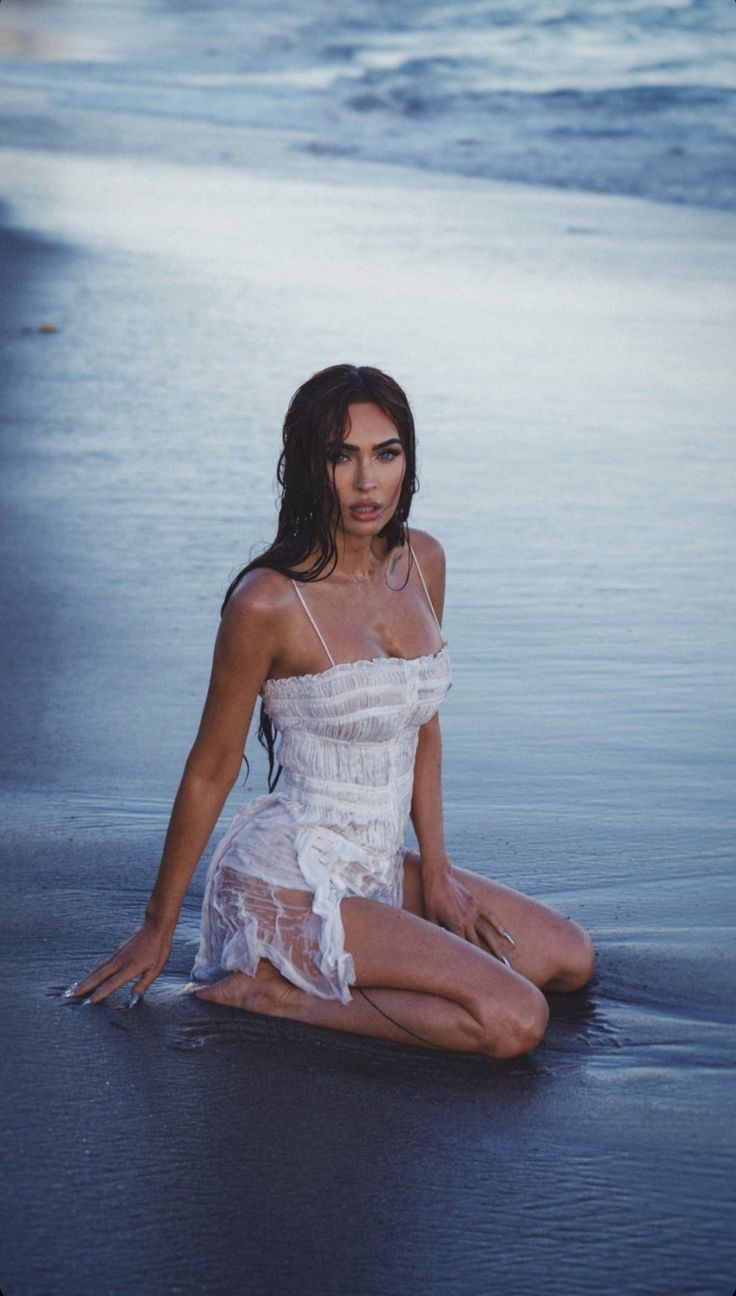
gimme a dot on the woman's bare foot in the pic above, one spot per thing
(267, 992)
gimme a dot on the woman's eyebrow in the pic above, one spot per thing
(380, 446)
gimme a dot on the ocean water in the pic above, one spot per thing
(613, 96)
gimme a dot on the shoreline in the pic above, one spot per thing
(345, 88)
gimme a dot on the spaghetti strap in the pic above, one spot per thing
(426, 591)
(301, 598)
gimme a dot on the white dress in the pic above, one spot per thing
(334, 828)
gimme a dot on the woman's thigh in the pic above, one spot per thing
(550, 950)
(398, 950)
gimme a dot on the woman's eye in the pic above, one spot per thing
(383, 456)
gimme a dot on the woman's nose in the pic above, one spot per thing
(364, 475)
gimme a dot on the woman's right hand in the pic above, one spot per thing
(143, 955)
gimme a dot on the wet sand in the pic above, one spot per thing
(569, 359)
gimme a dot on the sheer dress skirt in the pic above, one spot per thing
(274, 890)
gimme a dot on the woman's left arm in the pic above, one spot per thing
(426, 802)
(447, 902)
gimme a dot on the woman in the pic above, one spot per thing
(313, 909)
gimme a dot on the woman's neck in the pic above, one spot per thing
(360, 559)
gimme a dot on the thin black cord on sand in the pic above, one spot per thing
(395, 1022)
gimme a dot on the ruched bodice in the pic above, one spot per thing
(334, 828)
(349, 735)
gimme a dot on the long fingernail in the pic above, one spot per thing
(70, 991)
(507, 936)
(86, 1001)
(134, 999)
(504, 960)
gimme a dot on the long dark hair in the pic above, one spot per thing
(317, 419)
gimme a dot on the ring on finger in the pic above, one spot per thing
(505, 935)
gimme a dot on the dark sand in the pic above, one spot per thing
(181, 1148)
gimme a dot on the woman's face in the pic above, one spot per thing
(368, 467)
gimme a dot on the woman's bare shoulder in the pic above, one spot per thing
(262, 588)
(258, 602)
(429, 551)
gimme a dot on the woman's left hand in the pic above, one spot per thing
(449, 904)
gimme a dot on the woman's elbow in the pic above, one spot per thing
(217, 770)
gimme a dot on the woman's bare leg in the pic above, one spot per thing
(435, 987)
(550, 950)
(378, 1015)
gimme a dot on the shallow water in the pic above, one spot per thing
(188, 1143)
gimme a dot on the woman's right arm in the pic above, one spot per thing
(243, 656)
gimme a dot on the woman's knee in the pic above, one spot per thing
(577, 961)
(516, 1026)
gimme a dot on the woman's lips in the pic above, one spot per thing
(365, 511)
